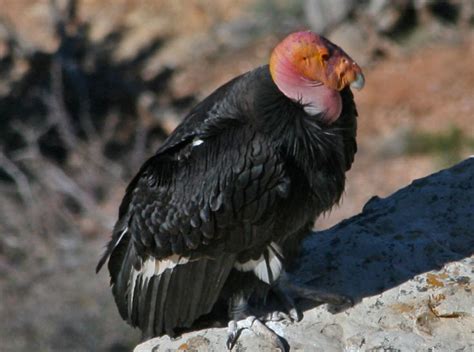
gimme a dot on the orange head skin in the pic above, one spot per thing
(316, 59)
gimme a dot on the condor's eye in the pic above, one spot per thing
(325, 57)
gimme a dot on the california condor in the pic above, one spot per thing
(220, 209)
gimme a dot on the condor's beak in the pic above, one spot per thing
(359, 81)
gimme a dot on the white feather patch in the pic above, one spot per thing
(152, 267)
(197, 142)
(248, 265)
(169, 263)
(261, 268)
(120, 237)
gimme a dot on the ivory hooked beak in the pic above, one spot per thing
(359, 82)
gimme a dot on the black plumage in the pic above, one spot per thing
(243, 177)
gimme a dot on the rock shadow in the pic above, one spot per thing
(415, 230)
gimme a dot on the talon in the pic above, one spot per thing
(279, 316)
(276, 316)
(295, 314)
(287, 291)
(231, 340)
(260, 329)
(264, 331)
(232, 334)
(287, 300)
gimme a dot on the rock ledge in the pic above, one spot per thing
(407, 260)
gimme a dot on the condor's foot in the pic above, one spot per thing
(280, 316)
(285, 296)
(321, 296)
(235, 328)
(288, 291)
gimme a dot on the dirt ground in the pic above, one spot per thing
(63, 305)
(429, 90)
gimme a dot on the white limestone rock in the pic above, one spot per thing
(407, 261)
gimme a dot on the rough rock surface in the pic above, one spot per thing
(407, 260)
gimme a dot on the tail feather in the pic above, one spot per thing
(171, 309)
(185, 288)
(125, 256)
(158, 301)
(160, 308)
(197, 286)
(174, 298)
(144, 306)
(149, 331)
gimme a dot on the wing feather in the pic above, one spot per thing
(205, 201)
(207, 221)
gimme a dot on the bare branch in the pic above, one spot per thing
(22, 184)
(55, 179)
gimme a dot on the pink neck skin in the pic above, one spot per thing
(317, 98)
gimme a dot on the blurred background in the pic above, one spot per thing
(90, 88)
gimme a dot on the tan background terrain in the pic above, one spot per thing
(416, 117)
